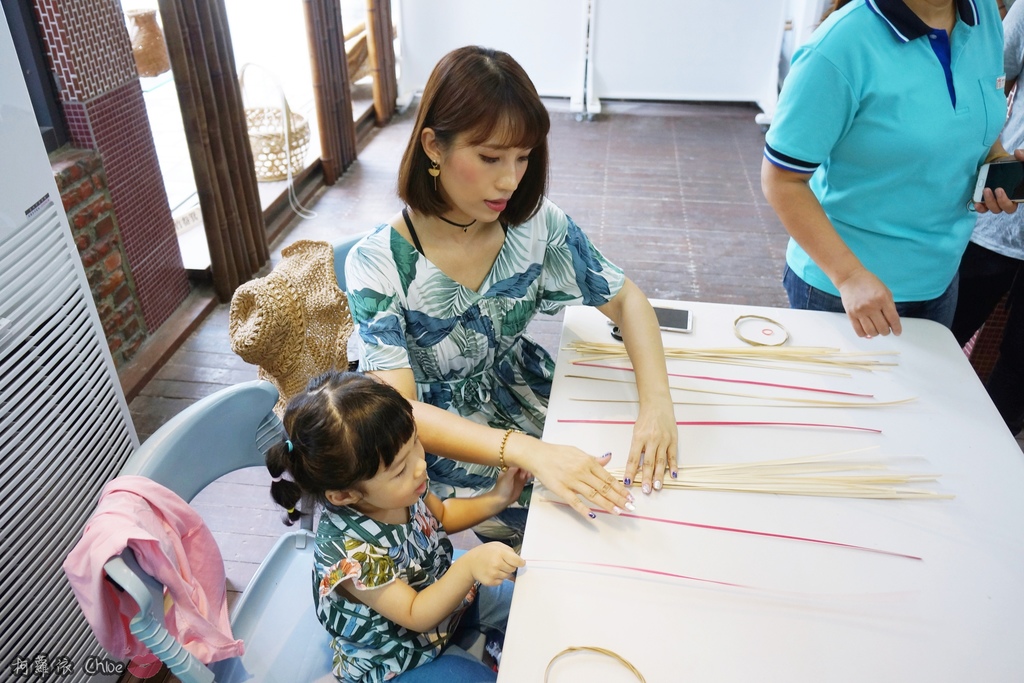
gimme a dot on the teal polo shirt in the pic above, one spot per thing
(893, 132)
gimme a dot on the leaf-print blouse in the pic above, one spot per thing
(467, 349)
(353, 547)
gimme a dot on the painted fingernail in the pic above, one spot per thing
(592, 515)
(616, 510)
(627, 481)
(646, 488)
(630, 506)
(675, 475)
(657, 485)
(607, 455)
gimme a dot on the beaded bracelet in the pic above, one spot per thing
(501, 451)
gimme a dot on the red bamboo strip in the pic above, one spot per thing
(752, 532)
(642, 570)
(729, 423)
(734, 381)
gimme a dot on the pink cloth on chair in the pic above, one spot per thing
(174, 545)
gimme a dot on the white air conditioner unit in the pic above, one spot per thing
(65, 429)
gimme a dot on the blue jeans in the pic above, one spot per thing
(454, 664)
(804, 296)
(489, 612)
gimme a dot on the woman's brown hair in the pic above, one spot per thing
(479, 92)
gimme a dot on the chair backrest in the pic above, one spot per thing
(148, 624)
(236, 424)
(341, 250)
(275, 616)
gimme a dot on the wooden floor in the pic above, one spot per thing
(670, 192)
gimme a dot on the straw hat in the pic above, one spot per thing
(294, 323)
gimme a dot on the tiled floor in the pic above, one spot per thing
(670, 192)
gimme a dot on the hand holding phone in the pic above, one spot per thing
(1008, 175)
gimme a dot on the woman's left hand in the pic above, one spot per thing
(654, 445)
(997, 201)
(510, 484)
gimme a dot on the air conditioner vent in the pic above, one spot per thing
(64, 433)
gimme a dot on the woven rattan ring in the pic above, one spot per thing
(767, 333)
(595, 650)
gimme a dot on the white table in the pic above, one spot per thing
(805, 612)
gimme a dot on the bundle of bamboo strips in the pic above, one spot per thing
(826, 475)
(823, 360)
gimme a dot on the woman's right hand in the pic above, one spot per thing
(492, 563)
(869, 305)
(570, 473)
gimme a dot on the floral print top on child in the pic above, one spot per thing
(369, 554)
(467, 349)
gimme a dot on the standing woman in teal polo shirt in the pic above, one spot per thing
(871, 159)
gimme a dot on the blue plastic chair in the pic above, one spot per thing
(274, 617)
(340, 254)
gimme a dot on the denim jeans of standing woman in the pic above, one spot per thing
(804, 296)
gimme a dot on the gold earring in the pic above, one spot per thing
(434, 171)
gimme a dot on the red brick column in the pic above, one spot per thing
(90, 52)
(83, 189)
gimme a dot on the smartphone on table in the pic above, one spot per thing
(1008, 175)
(674, 319)
(669, 319)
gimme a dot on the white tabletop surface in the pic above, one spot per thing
(796, 611)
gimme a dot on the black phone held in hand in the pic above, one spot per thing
(1008, 175)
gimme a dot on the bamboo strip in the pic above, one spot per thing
(809, 476)
(784, 399)
(749, 532)
(728, 380)
(695, 403)
(825, 493)
(728, 423)
(799, 460)
(814, 404)
(886, 492)
(759, 355)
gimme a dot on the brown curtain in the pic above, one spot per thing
(331, 87)
(203, 61)
(382, 57)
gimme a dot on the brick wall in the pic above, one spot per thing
(82, 182)
(88, 48)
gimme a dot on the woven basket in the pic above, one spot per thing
(148, 45)
(277, 152)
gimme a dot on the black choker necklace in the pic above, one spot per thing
(464, 226)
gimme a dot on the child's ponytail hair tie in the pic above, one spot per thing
(283, 488)
(291, 515)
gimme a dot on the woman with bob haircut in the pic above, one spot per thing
(443, 292)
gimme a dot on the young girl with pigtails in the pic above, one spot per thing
(385, 583)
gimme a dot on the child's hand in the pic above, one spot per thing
(492, 563)
(510, 484)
